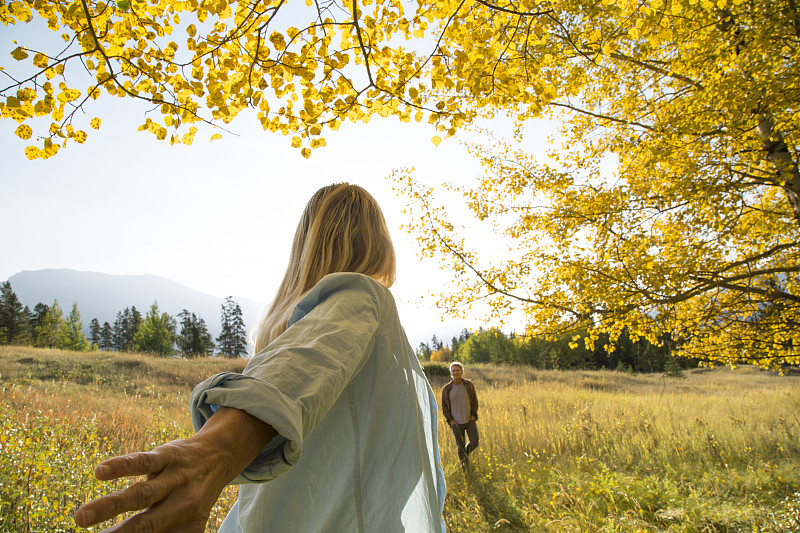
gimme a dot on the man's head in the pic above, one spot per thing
(456, 371)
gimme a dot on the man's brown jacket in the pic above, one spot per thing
(473, 400)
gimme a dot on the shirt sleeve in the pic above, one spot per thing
(446, 404)
(474, 402)
(294, 381)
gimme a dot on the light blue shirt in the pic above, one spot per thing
(356, 449)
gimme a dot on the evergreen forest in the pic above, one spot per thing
(154, 332)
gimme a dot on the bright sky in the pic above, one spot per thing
(216, 216)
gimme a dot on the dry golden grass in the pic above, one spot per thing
(609, 451)
(560, 451)
(63, 412)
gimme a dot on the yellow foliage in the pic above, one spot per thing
(692, 233)
(127, 49)
(32, 152)
(443, 354)
(24, 131)
(19, 53)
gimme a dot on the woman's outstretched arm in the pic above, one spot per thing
(184, 477)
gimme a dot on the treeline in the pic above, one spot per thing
(494, 346)
(154, 332)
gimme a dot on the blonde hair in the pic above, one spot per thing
(342, 230)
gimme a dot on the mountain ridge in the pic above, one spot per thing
(102, 296)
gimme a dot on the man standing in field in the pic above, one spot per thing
(460, 408)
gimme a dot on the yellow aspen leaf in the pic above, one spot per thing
(19, 53)
(305, 152)
(79, 136)
(296, 142)
(278, 41)
(69, 95)
(95, 123)
(24, 131)
(31, 152)
(436, 140)
(41, 109)
(40, 60)
(216, 136)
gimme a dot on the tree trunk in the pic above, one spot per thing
(786, 167)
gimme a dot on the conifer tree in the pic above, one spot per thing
(70, 334)
(94, 333)
(13, 321)
(120, 331)
(436, 344)
(194, 338)
(454, 346)
(232, 339)
(106, 337)
(157, 333)
(126, 326)
(424, 352)
(47, 336)
(27, 336)
(37, 319)
(134, 322)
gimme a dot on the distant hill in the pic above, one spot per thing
(102, 296)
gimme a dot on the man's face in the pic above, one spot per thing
(456, 372)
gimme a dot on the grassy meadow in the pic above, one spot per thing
(560, 451)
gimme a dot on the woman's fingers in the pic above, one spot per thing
(133, 464)
(182, 478)
(138, 496)
(164, 517)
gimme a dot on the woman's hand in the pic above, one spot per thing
(184, 477)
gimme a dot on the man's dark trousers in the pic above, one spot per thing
(464, 449)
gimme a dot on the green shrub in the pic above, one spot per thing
(436, 369)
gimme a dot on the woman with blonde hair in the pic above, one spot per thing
(331, 426)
